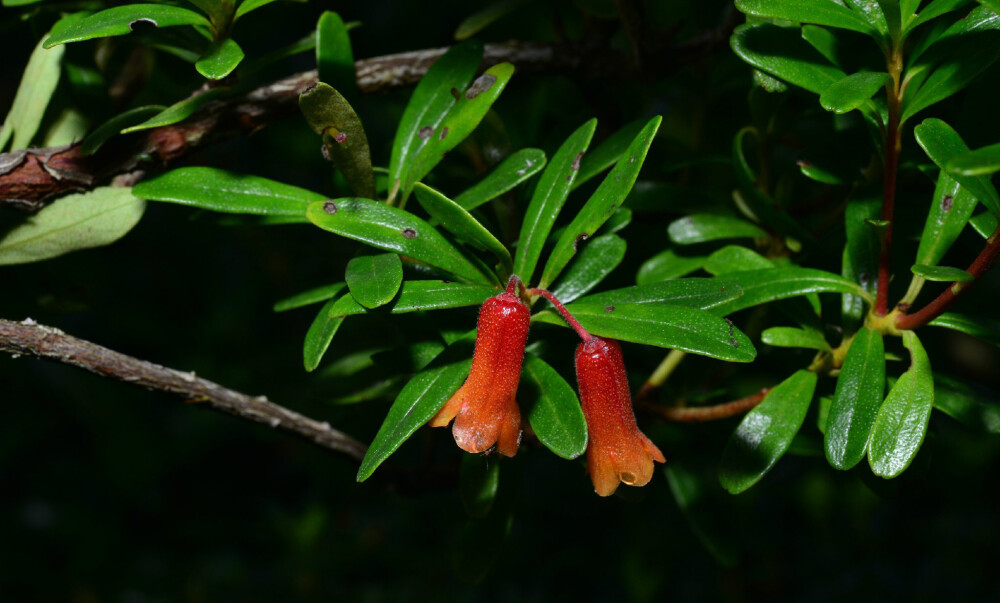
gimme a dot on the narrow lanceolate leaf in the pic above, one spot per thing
(307, 298)
(423, 295)
(856, 400)
(220, 59)
(933, 10)
(942, 273)
(514, 170)
(319, 336)
(334, 57)
(860, 257)
(820, 12)
(552, 408)
(332, 117)
(791, 337)
(733, 258)
(418, 401)
(701, 228)
(606, 154)
(981, 328)
(250, 5)
(677, 327)
(73, 222)
(374, 279)
(179, 111)
(121, 20)
(973, 407)
(985, 224)
(462, 117)
(602, 204)
(852, 91)
(599, 257)
(783, 53)
(702, 293)
(392, 229)
(218, 190)
(762, 286)
(667, 265)
(765, 432)
(942, 144)
(38, 84)
(114, 126)
(981, 162)
(993, 5)
(550, 194)
(460, 222)
(902, 420)
(429, 104)
(951, 208)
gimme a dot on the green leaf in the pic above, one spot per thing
(861, 256)
(993, 5)
(73, 222)
(951, 208)
(820, 12)
(430, 103)
(553, 408)
(481, 19)
(374, 279)
(419, 400)
(782, 53)
(38, 84)
(872, 12)
(478, 481)
(935, 9)
(703, 293)
(514, 170)
(853, 91)
(178, 112)
(460, 222)
(463, 115)
(765, 432)
(550, 194)
(667, 265)
(392, 229)
(227, 192)
(981, 162)
(733, 258)
(250, 5)
(114, 126)
(332, 117)
(701, 228)
(856, 400)
(607, 153)
(902, 420)
(942, 273)
(985, 224)
(600, 256)
(306, 298)
(220, 59)
(334, 57)
(678, 327)
(423, 295)
(790, 337)
(319, 336)
(980, 328)
(974, 408)
(120, 21)
(602, 204)
(762, 286)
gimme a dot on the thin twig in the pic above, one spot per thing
(32, 339)
(702, 414)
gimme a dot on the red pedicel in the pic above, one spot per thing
(484, 408)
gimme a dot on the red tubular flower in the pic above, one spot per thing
(484, 408)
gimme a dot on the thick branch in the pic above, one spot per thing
(702, 414)
(30, 338)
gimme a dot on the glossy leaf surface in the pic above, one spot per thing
(319, 336)
(791, 337)
(820, 12)
(334, 57)
(178, 111)
(852, 92)
(667, 265)
(762, 286)
(374, 279)
(941, 273)
(700, 293)
(38, 84)
(423, 295)
(307, 298)
(782, 53)
(981, 162)
(114, 126)
(951, 208)
(552, 408)
(460, 222)
(981, 328)
(856, 400)
(701, 228)
(512, 171)
(598, 259)
(221, 58)
(121, 20)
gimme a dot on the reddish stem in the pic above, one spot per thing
(514, 285)
(573, 322)
(701, 414)
(892, 144)
(908, 322)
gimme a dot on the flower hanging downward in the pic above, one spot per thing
(617, 452)
(484, 408)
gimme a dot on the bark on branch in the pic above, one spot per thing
(31, 339)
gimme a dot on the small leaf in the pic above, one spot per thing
(852, 91)
(902, 420)
(701, 228)
(419, 400)
(985, 224)
(553, 408)
(942, 273)
(460, 222)
(820, 12)
(73, 222)
(951, 208)
(250, 5)
(121, 20)
(602, 204)
(392, 229)
(374, 279)
(975, 408)
(790, 337)
(607, 153)
(703, 293)
(114, 126)
(220, 59)
(218, 190)
(667, 265)
(548, 198)
(980, 328)
(762, 286)
(423, 295)
(481, 19)
(600, 256)
(733, 258)
(856, 400)
(783, 53)
(935, 9)
(478, 481)
(332, 117)
(334, 57)
(514, 170)
(178, 112)
(306, 298)
(981, 162)
(765, 432)
(38, 84)
(319, 336)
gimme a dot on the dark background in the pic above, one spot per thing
(111, 493)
